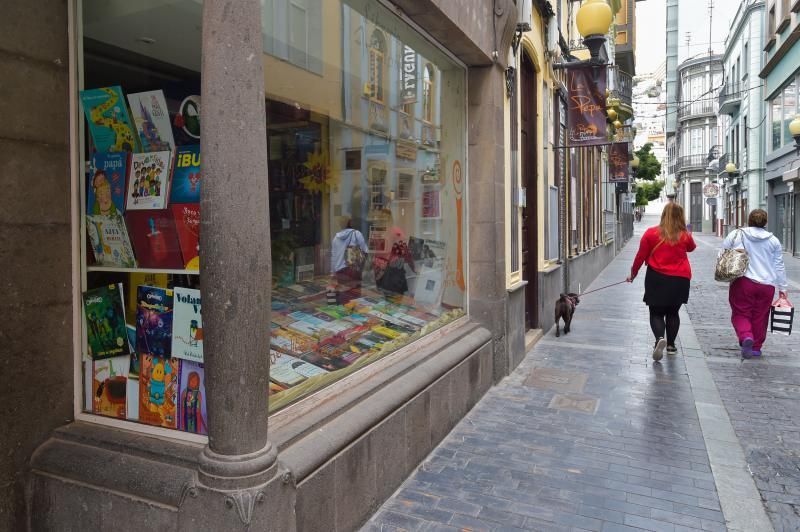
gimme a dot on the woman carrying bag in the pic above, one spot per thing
(750, 296)
(666, 284)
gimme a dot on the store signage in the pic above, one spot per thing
(711, 190)
(586, 106)
(408, 92)
(405, 149)
(618, 158)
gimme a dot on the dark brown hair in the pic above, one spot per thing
(757, 218)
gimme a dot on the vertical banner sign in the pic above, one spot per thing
(618, 161)
(408, 91)
(586, 113)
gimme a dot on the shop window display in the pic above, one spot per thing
(365, 148)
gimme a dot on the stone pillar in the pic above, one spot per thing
(235, 263)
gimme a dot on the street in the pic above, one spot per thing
(589, 434)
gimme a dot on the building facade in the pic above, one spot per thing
(696, 136)
(671, 91)
(741, 119)
(781, 66)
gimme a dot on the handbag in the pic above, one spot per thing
(731, 263)
(781, 317)
(354, 256)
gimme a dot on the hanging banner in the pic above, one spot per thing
(408, 91)
(586, 114)
(618, 159)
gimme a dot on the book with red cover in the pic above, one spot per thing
(187, 223)
(155, 240)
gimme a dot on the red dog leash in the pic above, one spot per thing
(601, 288)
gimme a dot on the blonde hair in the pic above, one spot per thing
(673, 222)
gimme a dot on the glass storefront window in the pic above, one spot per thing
(789, 109)
(366, 134)
(776, 114)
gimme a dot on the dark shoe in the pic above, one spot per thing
(747, 348)
(672, 350)
(658, 350)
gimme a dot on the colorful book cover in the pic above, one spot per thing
(192, 398)
(154, 321)
(109, 386)
(187, 325)
(155, 239)
(158, 391)
(105, 183)
(105, 322)
(137, 279)
(187, 224)
(150, 114)
(110, 242)
(186, 176)
(109, 122)
(148, 181)
(135, 365)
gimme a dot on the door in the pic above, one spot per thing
(530, 219)
(696, 206)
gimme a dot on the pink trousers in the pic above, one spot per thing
(750, 306)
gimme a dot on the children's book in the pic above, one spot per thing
(105, 322)
(105, 183)
(154, 321)
(187, 224)
(110, 243)
(148, 180)
(187, 325)
(155, 239)
(109, 122)
(158, 391)
(192, 398)
(109, 386)
(136, 279)
(135, 365)
(150, 114)
(186, 176)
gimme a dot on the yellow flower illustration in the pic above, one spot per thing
(319, 178)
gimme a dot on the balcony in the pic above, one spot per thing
(697, 161)
(620, 85)
(723, 162)
(730, 98)
(705, 105)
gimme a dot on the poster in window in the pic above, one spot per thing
(586, 107)
(431, 203)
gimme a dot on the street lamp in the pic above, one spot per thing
(794, 130)
(731, 169)
(634, 165)
(593, 20)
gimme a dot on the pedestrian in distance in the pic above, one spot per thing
(750, 296)
(664, 248)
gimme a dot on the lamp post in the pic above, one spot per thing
(593, 20)
(794, 131)
(731, 169)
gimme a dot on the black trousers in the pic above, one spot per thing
(665, 319)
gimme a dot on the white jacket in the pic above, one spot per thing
(765, 252)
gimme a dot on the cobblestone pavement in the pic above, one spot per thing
(587, 434)
(762, 397)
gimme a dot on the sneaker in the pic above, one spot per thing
(756, 353)
(672, 350)
(658, 351)
(747, 348)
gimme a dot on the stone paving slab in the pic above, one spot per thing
(520, 460)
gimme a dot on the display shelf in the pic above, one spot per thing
(91, 269)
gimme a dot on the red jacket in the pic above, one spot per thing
(669, 258)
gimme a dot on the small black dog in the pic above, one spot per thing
(565, 308)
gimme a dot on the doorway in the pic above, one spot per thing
(696, 206)
(530, 218)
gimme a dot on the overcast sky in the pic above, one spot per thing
(651, 21)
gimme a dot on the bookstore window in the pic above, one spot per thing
(367, 223)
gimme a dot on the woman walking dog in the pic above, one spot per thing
(664, 249)
(750, 296)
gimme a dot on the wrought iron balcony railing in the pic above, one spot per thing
(730, 97)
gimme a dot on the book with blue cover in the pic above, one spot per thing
(105, 183)
(154, 321)
(186, 175)
(109, 123)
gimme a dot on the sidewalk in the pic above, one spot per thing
(589, 434)
(762, 397)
